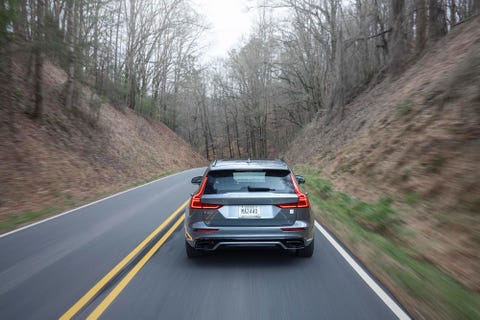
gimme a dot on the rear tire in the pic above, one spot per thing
(306, 252)
(191, 251)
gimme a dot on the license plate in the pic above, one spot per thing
(249, 212)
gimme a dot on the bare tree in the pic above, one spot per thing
(307, 62)
(421, 24)
(436, 19)
(398, 50)
(71, 10)
(39, 57)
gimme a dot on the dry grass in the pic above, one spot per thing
(417, 138)
(71, 155)
(376, 232)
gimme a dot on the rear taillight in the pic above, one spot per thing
(196, 200)
(302, 201)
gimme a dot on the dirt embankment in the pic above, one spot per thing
(69, 156)
(416, 137)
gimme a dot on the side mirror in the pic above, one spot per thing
(300, 179)
(197, 180)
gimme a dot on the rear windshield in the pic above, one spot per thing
(225, 181)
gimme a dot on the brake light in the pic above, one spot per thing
(302, 201)
(196, 200)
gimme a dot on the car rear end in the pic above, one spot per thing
(249, 204)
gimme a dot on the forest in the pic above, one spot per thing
(303, 59)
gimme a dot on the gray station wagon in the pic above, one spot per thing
(249, 203)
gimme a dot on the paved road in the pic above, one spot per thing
(46, 269)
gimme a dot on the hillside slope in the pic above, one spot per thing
(72, 156)
(416, 138)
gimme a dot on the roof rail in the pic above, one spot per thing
(214, 163)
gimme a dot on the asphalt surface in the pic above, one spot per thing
(47, 268)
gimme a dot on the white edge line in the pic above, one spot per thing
(89, 204)
(368, 280)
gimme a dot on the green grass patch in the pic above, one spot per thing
(18, 94)
(404, 109)
(474, 207)
(412, 198)
(346, 167)
(378, 226)
(436, 164)
(14, 221)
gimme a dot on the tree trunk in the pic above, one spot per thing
(70, 39)
(453, 13)
(237, 133)
(227, 127)
(115, 63)
(398, 37)
(341, 74)
(38, 54)
(436, 21)
(20, 19)
(476, 7)
(383, 44)
(130, 56)
(96, 43)
(421, 25)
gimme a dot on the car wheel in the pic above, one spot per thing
(191, 251)
(306, 252)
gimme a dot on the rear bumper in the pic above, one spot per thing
(249, 237)
(214, 244)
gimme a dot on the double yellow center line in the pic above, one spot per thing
(82, 302)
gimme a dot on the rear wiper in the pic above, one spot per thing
(253, 189)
